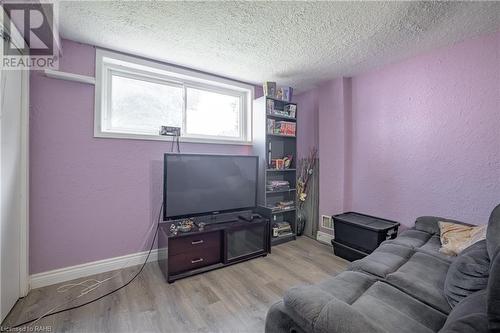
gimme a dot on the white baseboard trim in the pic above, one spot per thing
(96, 267)
(323, 237)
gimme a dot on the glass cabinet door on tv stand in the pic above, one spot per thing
(244, 242)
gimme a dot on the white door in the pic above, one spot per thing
(10, 188)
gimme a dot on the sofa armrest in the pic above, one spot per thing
(335, 317)
(430, 223)
(340, 317)
(278, 321)
(318, 311)
(493, 296)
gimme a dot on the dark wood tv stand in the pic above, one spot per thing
(217, 245)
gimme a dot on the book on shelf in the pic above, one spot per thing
(280, 163)
(289, 110)
(283, 206)
(271, 124)
(275, 209)
(269, 154)
(278, 189)
(269, 88)
(285, 128)
(269, 106)
(278, 185)
(284, 93)
(281, 229)
(284, 234)
(287, 93)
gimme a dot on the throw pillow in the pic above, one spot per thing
(457, 237)
(468, 273)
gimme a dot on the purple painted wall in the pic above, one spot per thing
(307, 117)
(90, 198)
(420, 137)
(414, 138)
(426, 135)
(328, 110)
(331, 116)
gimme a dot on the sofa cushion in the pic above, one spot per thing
(395, 311)
(432, 246)
(493, 244)
(382, 308)
(423, 277)
(307, 302)
(468, 273)
(468, 316)
(430, 223)
(421, 241)
(340, 317)
(493, 232)
(494, 293)
(411, 238)
(357, 302)
(387, 258)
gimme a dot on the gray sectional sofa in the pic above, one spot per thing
(406, 285)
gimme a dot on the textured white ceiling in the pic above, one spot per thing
(294, 43)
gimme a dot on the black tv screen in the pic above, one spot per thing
(203, 184)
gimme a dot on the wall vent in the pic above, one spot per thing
(326, 222)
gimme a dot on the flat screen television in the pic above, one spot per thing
(196, 184)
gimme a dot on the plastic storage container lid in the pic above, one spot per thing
(366, 221)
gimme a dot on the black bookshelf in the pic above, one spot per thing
(269, 146)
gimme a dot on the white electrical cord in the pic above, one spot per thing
(95, 284)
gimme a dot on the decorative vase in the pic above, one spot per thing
(301, 223)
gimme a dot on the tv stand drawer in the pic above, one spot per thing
(187, 244)
(185, 254)
(195, 259)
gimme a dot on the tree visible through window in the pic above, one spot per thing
(210, 113)
(134, 100)
(142, 106)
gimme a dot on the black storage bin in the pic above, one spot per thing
(363, 232)
(347, 252)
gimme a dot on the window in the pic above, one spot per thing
(139, 105)
(134, 97)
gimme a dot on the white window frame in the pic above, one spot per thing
(108, 62)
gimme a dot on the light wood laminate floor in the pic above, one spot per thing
(231, 299)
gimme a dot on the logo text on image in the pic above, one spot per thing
(35, 49)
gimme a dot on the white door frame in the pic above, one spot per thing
(24, 223)
(24, 286)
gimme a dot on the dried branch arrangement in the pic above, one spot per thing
(306, 167)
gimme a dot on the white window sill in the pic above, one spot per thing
(128, 136)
